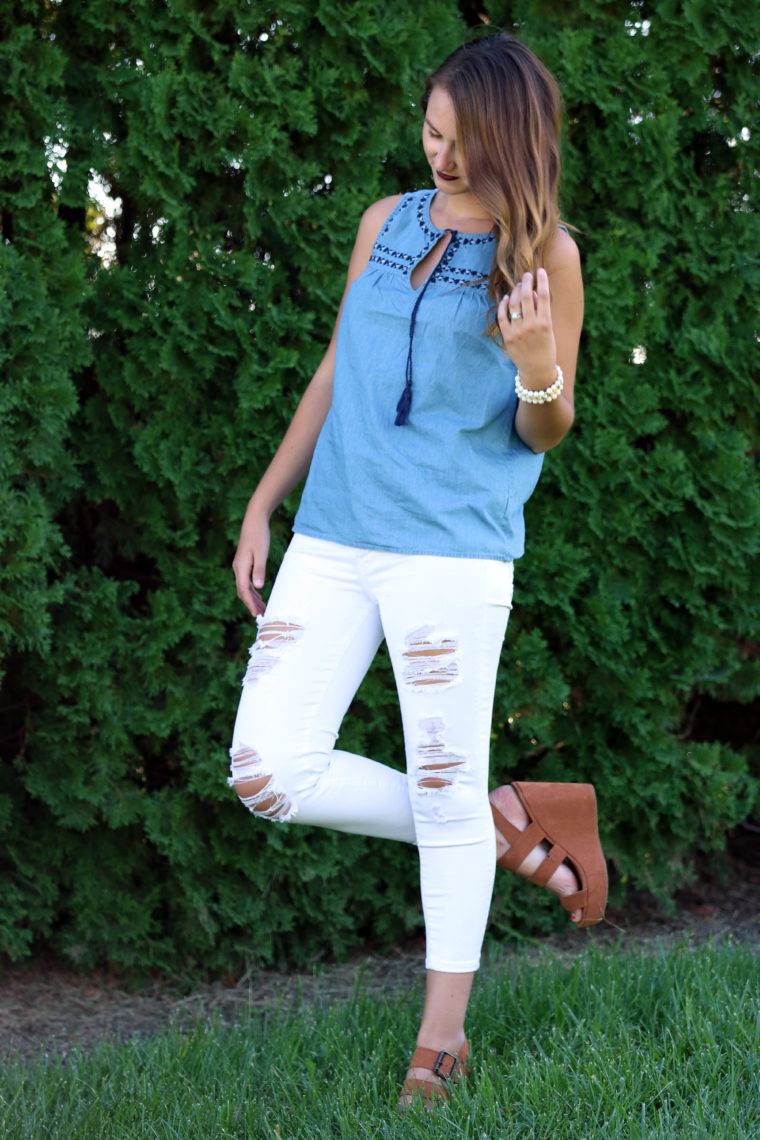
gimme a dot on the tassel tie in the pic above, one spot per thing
(403, 407)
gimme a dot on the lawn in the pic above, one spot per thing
(635, 1045)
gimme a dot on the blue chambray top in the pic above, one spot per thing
(419, 453)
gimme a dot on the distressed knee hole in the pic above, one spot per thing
(435, 756)
(263, 654)
(280, 632)
(429, 660)
(257, 789)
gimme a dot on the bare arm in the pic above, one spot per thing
(293, 456)
(547, 334)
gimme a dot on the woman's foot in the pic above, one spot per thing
(564, 880)
(423, 1083)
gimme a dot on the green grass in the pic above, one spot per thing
(607, 1044)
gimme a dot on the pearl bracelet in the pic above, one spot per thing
(540, 395)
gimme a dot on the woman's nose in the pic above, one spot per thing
(445, 157)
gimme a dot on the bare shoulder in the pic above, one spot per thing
(369, 227)
(376, 214)
(561, 253)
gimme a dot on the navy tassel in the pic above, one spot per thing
(403, 407)
(404, 404)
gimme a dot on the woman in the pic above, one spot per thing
(423, 432)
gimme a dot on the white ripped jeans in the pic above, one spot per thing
(444, 621)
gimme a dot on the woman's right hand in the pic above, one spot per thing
(250, 561)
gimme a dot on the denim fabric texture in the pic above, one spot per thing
(454, 478)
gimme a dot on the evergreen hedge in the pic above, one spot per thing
(151, 364)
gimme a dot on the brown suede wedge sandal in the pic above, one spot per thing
(564, 816)
(450, 1067)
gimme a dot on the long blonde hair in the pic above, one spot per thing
(507, 107)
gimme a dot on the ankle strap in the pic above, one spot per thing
(442, 1063)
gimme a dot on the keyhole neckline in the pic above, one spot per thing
(422, 285)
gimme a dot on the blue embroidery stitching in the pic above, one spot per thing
(397, 259)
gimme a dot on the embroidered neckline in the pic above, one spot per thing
(426, 224)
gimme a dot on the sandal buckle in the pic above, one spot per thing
(437, 1066)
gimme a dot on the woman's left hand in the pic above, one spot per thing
(529, 337)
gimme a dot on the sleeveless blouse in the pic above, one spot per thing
(419, 453)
